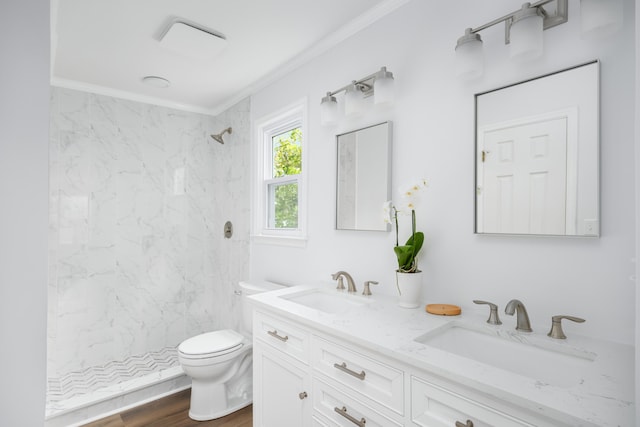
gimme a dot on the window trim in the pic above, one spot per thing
(291, 116)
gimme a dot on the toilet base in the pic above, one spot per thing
(210, 401)
(233, 404)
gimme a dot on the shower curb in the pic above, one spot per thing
(101, 403)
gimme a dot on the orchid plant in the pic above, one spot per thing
(407, 254)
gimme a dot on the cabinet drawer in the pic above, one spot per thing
(280, 334)
(341, 410)
(373, 379)
(435, 406)
(317, 422)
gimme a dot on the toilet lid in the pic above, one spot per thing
(211, 342)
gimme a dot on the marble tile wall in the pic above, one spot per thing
(139, 195)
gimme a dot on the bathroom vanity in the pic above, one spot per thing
(326, 358)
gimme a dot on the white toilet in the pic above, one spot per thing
(219, 364)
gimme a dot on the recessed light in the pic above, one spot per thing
(156, 81)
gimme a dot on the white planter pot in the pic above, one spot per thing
(410, 288)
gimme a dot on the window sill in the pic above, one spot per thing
(293, 242)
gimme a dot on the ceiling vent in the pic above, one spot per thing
(193, 41)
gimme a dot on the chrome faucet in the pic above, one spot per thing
(351, 286)
(523, 318)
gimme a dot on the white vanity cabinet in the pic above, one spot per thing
(305, 377)
(281, 374)
(438, 404)
(364, 361)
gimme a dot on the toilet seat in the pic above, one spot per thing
(211, 344)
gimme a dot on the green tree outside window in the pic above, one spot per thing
(287, 161)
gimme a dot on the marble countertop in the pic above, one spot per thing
(602, 396)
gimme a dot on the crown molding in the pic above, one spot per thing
(131, 96)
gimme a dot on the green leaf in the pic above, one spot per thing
(407, 253)
(404, 255)
(416, 241)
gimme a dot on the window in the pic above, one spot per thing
(282, 185)
(279, 190)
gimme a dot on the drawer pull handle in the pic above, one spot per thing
(303, 395)
(469, 423)
(343, 368)
(343, 412)
(274, 334)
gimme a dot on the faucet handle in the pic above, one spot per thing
(556, 326)
(366, 290)
(340, 286)
(493, 312)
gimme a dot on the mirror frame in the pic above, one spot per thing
(387, 164)
(597, 153)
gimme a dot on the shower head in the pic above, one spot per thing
(218, 136)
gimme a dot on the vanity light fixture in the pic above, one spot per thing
(524, 27)
(523, 30)
(379, 84)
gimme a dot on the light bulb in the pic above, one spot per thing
(328, 110)
(526, 34)
(384, 87)
(469, 56)
(353, 101)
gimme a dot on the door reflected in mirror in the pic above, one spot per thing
(363, 178)
(537, 145)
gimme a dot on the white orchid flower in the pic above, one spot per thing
(411, 196)
(387, 212)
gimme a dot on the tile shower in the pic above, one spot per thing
(139, 195)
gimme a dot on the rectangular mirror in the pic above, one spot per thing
(537, 145)
(363, 178)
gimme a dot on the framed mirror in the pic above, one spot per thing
(363, 178)
(537, 156)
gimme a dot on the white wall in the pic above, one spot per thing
(434, 138)
(24, 127)
(637, 193)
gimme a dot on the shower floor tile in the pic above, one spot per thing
(110, 376)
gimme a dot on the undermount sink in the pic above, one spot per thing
(327, 301)
(552, 363)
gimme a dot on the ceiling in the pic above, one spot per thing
(108, 46)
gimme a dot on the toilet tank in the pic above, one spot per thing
(252, 288)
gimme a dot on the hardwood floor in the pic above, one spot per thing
(171, 411)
